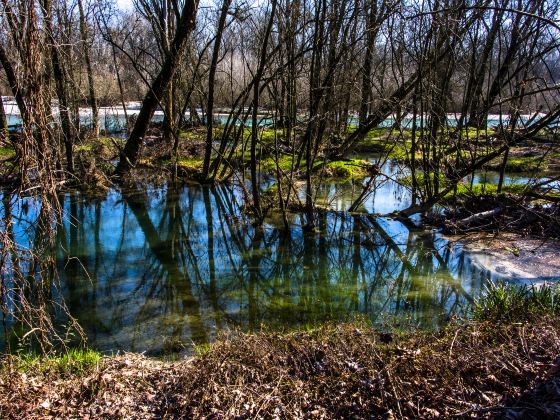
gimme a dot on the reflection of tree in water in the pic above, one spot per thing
(181, 264)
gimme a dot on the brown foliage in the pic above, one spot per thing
(474, 370)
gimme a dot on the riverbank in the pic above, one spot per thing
(522, 258)
(503, 363)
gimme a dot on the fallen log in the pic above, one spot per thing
(478, 217)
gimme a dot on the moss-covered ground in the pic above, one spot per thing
(6, 152)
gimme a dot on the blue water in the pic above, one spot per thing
(160, 268)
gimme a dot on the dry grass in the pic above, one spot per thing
(474, 370)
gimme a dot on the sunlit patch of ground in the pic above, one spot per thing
(524, 259)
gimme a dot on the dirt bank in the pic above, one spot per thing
(474, 370)
(523, 259)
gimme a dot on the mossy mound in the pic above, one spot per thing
(189, 167)
(345, 169)
(520, 164)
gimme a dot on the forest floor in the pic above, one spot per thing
(474, 369)
(99, 155)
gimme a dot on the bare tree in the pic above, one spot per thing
(185, 26)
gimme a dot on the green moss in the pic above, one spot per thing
(482, 189)
(108, 141)
(519, 164)
(186, 135)
(401, 151)
(199, 134)
(420, 179)
(376, 140)
(465, 189)
(242, 156)
(341, 169)
(285, 162)
(372, 144)
(525, 164)
(83, 148)
(347, 169)
(398, 142)
(201, 349)
(7, 152)
(471, 132)
(193, 163)
(266, 135)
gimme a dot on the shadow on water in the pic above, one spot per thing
(159, 269)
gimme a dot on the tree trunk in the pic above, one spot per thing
(89, 70)
(16, 89)
(121, 93)
(254, 123)
(68, 133)
(169, 114)
(3, 122)
(480, 115)
(211, 80)
(131, 151)
(371, 33)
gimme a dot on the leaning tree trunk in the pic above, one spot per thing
(15, 87)
(131, 151)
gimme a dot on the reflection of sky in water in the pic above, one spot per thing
(159, 267)
(389, 195)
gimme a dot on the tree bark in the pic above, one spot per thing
(3, 122)
(68, 132)
(371, 34)
(14, 85)
(254, 123)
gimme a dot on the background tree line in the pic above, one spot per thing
(325, 71)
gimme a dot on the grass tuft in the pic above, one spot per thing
(74, 361)
(512, 303)
(7, 152)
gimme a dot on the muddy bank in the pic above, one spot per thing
(521, 258)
